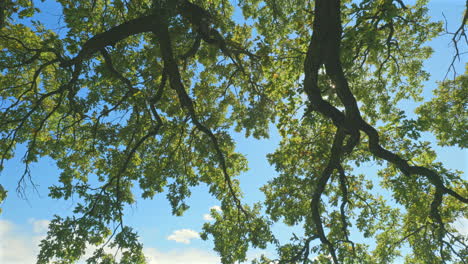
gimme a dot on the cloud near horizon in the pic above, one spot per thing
(17, 247)
(20, 245)
(192, 256)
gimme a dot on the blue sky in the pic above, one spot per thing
(169, 239)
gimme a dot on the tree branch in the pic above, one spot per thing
(112, 36)
(324, 48)
(175, 81)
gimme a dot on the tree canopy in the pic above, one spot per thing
(147, 95)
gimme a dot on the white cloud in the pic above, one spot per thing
(192, 256)
(19, 246)
(461, 225)
(216, 207)
(183, 236)
(208, 217)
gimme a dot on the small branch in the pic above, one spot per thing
(344, 201)
(333, 163)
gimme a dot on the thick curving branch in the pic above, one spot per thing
(112, 36)
(175, 82)
(325, 48)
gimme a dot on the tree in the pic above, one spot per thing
(147, 93)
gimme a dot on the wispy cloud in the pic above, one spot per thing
(183, 236)
(39, 226)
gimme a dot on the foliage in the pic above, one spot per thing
(446, 114)
(148, 94)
